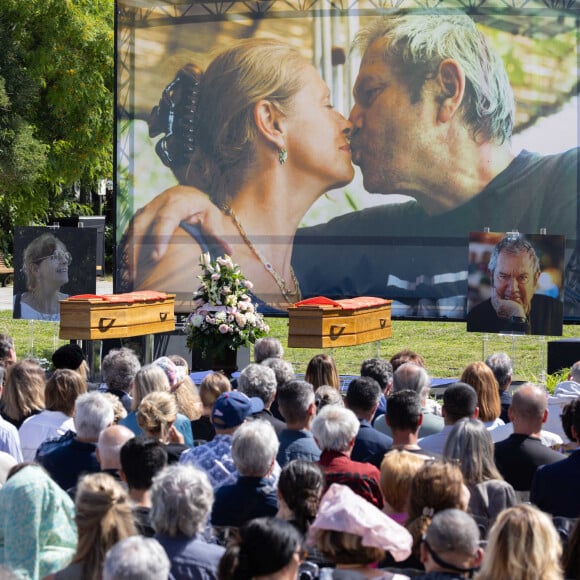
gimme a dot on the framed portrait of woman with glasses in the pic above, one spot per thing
(51, 264)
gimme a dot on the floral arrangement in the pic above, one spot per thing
(223, 313)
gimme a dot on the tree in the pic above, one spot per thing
(56, 106)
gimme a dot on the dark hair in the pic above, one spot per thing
(459, 400)
(571, 555)
(379, 369)
(404, 410)
(363, 394)
(264, 546)
(571, 418)
(301, 485)
(142, 458)
(6, 345)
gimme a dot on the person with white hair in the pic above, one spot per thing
(335, 429)
(71, 455)
(136, 558)
(260, 381)
(181, 500)
(254, 450)
(267, 347)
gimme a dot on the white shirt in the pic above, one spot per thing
(38, 428)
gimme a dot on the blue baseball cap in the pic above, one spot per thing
(233, 408)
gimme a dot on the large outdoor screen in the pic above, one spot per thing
(270, 180)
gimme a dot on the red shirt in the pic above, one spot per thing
(362, 478)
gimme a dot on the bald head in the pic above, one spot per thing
(109, 445)
(529, 409)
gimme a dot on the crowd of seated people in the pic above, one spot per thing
(283, 477)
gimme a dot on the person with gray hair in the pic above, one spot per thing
(470, 444)
(514, 306)
(412, 377)
(118, 370)
(298, 407)
(501, 367)
(267, 347)
(381, 370)
(7, 351)
(136, 558)
(181, 500)
(335, 429)
(284, 372)
(260, 381)
(74, 454)
(254, 449)
(450, 549)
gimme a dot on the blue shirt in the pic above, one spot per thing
(297, 444)
(215, 458)
(248, 498)
(9, 440)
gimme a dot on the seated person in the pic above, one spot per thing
(254, 449)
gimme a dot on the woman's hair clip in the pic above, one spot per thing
(175, 116)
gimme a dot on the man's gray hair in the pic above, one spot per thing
(501, 366)
(294, 400)
(119, 368)
(254, 448)
(267, 348)
(136, 558)
(335, 427)
(93, 413)
(181, 499)
(575, 372)
(283, 370)
(453, 530)
(416, 44)
(258, 381)
(411, 377)
(379, 369)
(514, 246)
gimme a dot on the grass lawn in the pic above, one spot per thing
(446, 346)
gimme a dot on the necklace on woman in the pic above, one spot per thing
(289, 295)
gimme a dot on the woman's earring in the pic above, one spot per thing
(282, 155)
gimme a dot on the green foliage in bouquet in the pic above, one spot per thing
(224, 316)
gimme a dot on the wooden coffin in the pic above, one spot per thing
(90, 317)
(338, 323)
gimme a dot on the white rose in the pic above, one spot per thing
(197, 320)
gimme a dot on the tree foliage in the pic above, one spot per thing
(56, 105)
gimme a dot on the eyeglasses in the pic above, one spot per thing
(56, 257)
